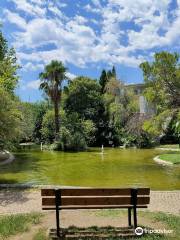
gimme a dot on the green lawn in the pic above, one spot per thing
(19, 223)
(171, 157)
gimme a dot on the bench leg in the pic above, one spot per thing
(57, 223)
(135, 217)
(129, 217)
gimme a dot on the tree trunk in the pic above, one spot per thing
(56, 115)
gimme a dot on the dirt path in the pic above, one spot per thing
(82, 218)
(25, 201)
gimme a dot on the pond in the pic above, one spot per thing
(115, 168)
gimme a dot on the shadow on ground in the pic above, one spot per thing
(95, 232)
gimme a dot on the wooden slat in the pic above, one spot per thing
(95, 192)
(94, 201)
(93, 207)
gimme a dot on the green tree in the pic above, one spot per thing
(103, 80)
(10, 115)
(120, 104)
(41, 109)
(48, 127)
(83, 97)
(10, 118)
(75, 133)
(3, 46)
(162, 79)
(51, 83)
(8, 66)
(29, 114)
(176, 127)
(114, 72)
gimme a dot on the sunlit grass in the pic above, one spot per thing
(19, 223)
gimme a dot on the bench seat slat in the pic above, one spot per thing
(94, 201)
(94, 192)
(92, 207)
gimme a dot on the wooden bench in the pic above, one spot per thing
(95, 198)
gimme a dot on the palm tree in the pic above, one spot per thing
(51, 83)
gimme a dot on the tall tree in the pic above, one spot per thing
(114, 72)
(51, 83)
(162, 78)
(103, 80)
(8, 66)
(3, 46)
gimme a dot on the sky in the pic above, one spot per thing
(87, 36)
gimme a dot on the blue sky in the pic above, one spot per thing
(88, 35)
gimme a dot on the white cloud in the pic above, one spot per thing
(71, 75)
(96, 3)
(32, 85)
(90, 8)
(15, 19)
(30, 8)
(74, 39)
(30, 66)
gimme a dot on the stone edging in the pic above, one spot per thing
(168, 149)
(158, 160)
(9, 160)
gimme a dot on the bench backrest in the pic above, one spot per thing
(86, 198)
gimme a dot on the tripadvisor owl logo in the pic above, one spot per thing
(139, 231)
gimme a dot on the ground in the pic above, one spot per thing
(28, 201)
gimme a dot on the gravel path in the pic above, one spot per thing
(25, 201)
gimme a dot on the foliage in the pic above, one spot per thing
(176, 126)
(162, 79)
(83, 97)
(120, 105)
(41, 109)
(28, 112)
(10, 115)
(103, 80)
(75, 133)
(157, 125)
(105, 77)
(48, 127)
(10, 118)
(3, 47)
(8, 66)
(51, 83)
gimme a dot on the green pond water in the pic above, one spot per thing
(115, 168)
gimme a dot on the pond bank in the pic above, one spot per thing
(159, 160)
(9, 159)
(26, 201)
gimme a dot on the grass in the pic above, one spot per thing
(171, 157)
(171, 221)
(41, 235)
(14, 224)
(19, 223)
